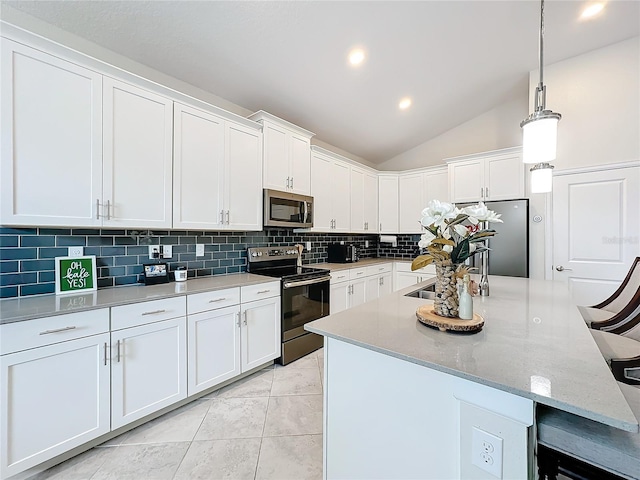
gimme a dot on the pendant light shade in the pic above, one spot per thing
(541, 178)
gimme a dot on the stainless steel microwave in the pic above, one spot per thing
(284, 209)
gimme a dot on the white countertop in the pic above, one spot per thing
(28, 308)
(534, 344)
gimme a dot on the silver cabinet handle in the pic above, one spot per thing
(105, 354)
(97, 209)
(221, 217)
(227, 217)
(64, 329)
(118, 351)
(238, 322)
(291, 182)
(380, 269)
(108, 209)
(245, 318)
(481, 192)
(288, 183)
(262, 291)
(154, 312)
(380, 281)
(359, 273)
(560, 268)
(380, 227)
(341, 276)
(217, 300)
(487, 192)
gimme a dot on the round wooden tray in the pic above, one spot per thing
(427, 316)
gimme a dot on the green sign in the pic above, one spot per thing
(75, 274)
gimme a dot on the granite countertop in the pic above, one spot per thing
(28, 308)
(534, 344)
(365, 262)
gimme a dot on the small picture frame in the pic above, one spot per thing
(155, 273)
(76, 274)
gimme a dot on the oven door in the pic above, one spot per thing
(302, 302)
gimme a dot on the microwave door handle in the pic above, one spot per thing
(305, 218)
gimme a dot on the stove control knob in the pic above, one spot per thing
(254, 254)
(259, 254)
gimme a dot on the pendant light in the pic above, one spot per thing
(541, 178)
(540, 129)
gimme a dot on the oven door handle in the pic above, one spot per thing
(306, 282)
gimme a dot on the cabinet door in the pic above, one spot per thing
(358, 292)
(339, 297)
(321, 190)
(148, 369)
(276, 158)
(411, 205)
(388, 203)
(138, 138)
(260, 336)
(243, 178)
(436, 186)
(504, 177)
(300, 166)
(51, 143)
(371, 202)
(371, 289)
(341, 196)
(385, 284)
(198, 162)
(404, 279)
(466, 181)
(214, 348)
(357, 201)
(54, 398)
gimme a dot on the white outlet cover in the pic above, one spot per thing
(167, 251)
(199, 250)
(76, 251)
(486, 452)
(308, 246)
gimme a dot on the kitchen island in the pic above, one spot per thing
(403, 400)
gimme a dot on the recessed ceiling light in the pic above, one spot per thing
(356, 57)
(404, 103)
(592, 10)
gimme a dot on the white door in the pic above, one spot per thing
(466, 181)
(300, 164)
(386, 284)
(371, 202)
(322, 191)
(54, 398)
(410, 201)
(214, 348)
(341, 197)
(358, 292)
(148, 369)
(595, 231)
(51, 140)
(260, 334)
(388, 203)
(276, 158)
(436, 187)
(198, 161)
(357, 201)
(504, 177)
(371, 288)
(243, 178)
(339, 296)
(137, 160)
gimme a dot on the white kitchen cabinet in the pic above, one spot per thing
(370, 202)
(339, 295)
(148, 369)
(137, 157)
(261, 332)
(385, 285)
(287, 154)
(497, 175)
(372, 287)
(404, 277)
(388, 203)
(51, 153)
(411, 204)
(330, 187)
(214, 347)
(54, 398)
(435, 186)
(364, 201)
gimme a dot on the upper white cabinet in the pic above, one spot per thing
(51, 153)
(137, 140)
(497, 175)
(287, 154)
(416, 189)
(217, 172)
(388, 203)
(435, 185)
(330, 187)
(364, 201)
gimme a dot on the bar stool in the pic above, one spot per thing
(622, 354)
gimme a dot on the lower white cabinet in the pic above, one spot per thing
(379, 285)
(404, 277)
(352, 287)
(54, 398)
(347, 294)
(148, 369)
(260, 336)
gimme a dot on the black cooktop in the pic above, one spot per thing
(290, 272)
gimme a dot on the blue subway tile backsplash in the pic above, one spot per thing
(27, 254)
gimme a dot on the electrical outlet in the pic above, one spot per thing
(76, 251)
(199, 250)
(366, 244)
(166, 251)
(486, 452)
(154, 252)
(308, 246)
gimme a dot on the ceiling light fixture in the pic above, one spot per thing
(592, 10)
(356, 57)
(404, 103)
(540, 129)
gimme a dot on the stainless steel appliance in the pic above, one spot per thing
(304, 297)
(340, 253)
(284, 209)
(509, 254)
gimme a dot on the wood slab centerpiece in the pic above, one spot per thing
(427, 316)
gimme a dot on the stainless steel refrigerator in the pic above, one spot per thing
(509, 254)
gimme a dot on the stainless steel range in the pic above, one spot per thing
(304, 296)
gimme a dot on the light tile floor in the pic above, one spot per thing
(266, 426)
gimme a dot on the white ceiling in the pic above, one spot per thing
(456, 59)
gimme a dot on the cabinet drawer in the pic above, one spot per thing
(135, 314)
(379, 269)
(46, 331)
(260, 291)
(201, 302)
(339, 276)
(356, 273)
